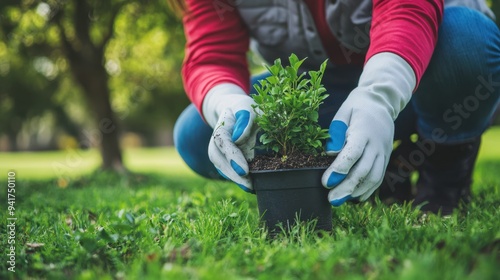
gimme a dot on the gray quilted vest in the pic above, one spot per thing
(280, 27)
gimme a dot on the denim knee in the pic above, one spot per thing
(191, 139)
(460, 89)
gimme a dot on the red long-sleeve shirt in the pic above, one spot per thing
(216, 49)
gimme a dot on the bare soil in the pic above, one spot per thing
(267, 162)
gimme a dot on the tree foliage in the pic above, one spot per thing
(61, 60)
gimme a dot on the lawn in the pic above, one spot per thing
(164, 222)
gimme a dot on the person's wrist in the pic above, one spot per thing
(217, 99)
(389, 80)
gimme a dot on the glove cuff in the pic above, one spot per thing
(390, 80)
(217, 99)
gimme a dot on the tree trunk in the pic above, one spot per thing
(12, 136)
(98, 98)
(93, 78)
(86, 59)
(89, 72)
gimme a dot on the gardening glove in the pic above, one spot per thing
(362, 131)
(228, 110)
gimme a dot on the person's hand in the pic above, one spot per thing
(362, 131)
(229, 111)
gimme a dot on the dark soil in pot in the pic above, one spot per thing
(266, 162)
(291, 190)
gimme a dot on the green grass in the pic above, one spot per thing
(75, 163)
(164, 222)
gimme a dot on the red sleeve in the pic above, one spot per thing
(217, 43)
(408, 28)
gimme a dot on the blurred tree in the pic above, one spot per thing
(144, 60)
(124, 56)
(17, 101)
(28, 84)
(85, 54)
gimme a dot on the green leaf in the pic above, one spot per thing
(292, 73)
(89, 243)
(293, 59)
(314, 116)
(276, 148)
(272, 79)
(130, 218)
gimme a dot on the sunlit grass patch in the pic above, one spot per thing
(75, 163)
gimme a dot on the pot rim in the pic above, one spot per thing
(286, 170)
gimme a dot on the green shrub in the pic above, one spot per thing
(287, 105)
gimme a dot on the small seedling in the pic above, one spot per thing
(287, 105)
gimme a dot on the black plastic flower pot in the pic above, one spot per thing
(288, 196)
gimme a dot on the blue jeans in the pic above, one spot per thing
(455, 101)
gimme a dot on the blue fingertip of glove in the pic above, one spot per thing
(338, 202)
(335, 179)
(239, 185)
(237, 168)
(337, 133)
(242, 120)
(222, 174)
(245, 188)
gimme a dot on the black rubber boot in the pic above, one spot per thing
(446, 176)
(396, 187)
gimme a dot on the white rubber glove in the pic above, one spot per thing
(228, 110)
(362, 131)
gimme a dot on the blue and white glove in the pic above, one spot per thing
(228, 110)
(362, 131)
